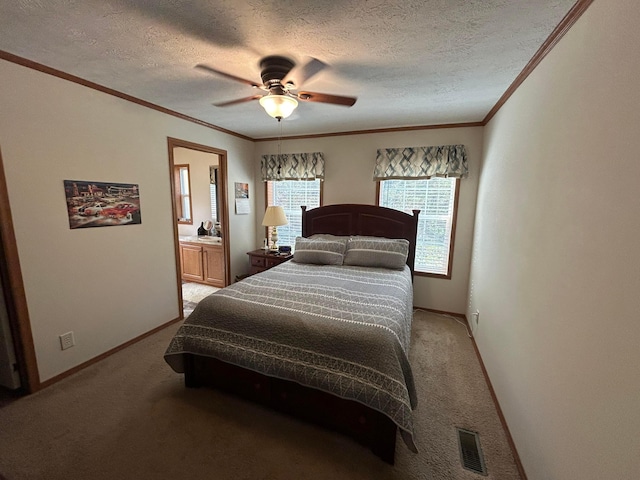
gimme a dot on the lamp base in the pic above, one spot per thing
(274, 240)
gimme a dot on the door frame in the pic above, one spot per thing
(223, 206)
(15, 297)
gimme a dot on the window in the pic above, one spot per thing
(214, 202)
(436, 198)
(213, 192)
(182, 190)
(291, 195)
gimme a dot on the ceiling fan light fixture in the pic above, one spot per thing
(278, 106)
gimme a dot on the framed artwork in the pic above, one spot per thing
(242, 190)
(242, 198)
(102, 204)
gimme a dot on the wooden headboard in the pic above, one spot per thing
(370, 220)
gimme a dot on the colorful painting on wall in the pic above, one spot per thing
(102, 204)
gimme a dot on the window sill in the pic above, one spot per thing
(432, 275)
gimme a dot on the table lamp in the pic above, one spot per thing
(274, 217)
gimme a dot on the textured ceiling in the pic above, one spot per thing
(409, 62)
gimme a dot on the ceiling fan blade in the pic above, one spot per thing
(239, 100)
(299, 75)
(209, 69)
(325, 98)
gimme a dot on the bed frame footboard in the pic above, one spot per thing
(365, 425)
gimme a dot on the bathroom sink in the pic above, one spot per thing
(210, 239)
(202, 239)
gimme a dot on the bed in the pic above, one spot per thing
(322, 339)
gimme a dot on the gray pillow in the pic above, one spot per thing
(377, 252)
(321, 251)
(329, 236)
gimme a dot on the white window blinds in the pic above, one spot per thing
(435, 198)
(291, 195)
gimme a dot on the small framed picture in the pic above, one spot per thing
(242, 198)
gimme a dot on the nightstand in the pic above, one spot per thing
(261, 260)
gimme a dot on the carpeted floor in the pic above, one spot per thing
(130, 417)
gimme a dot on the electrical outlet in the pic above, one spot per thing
(475, 319)
(66, 340)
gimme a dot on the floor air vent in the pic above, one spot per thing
(470, 452)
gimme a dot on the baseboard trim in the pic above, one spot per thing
(82, 366)
(503, 421)
(442, 312)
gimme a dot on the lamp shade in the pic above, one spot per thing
(274, 217)
(279, 106)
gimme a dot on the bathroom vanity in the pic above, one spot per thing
(202, 260)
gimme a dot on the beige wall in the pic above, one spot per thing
(111, 284)
(556, 264)
(199, 163)
(349, 164)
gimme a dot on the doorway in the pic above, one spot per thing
(188, 213)
(15, 304)
(9, 377)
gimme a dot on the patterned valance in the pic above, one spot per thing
(421, 162)
(293, 166)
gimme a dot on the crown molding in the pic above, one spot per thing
(10, 57)
(375, 130)
(563, 27)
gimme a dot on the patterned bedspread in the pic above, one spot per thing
(341, 329)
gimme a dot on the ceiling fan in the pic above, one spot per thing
(281, 79)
